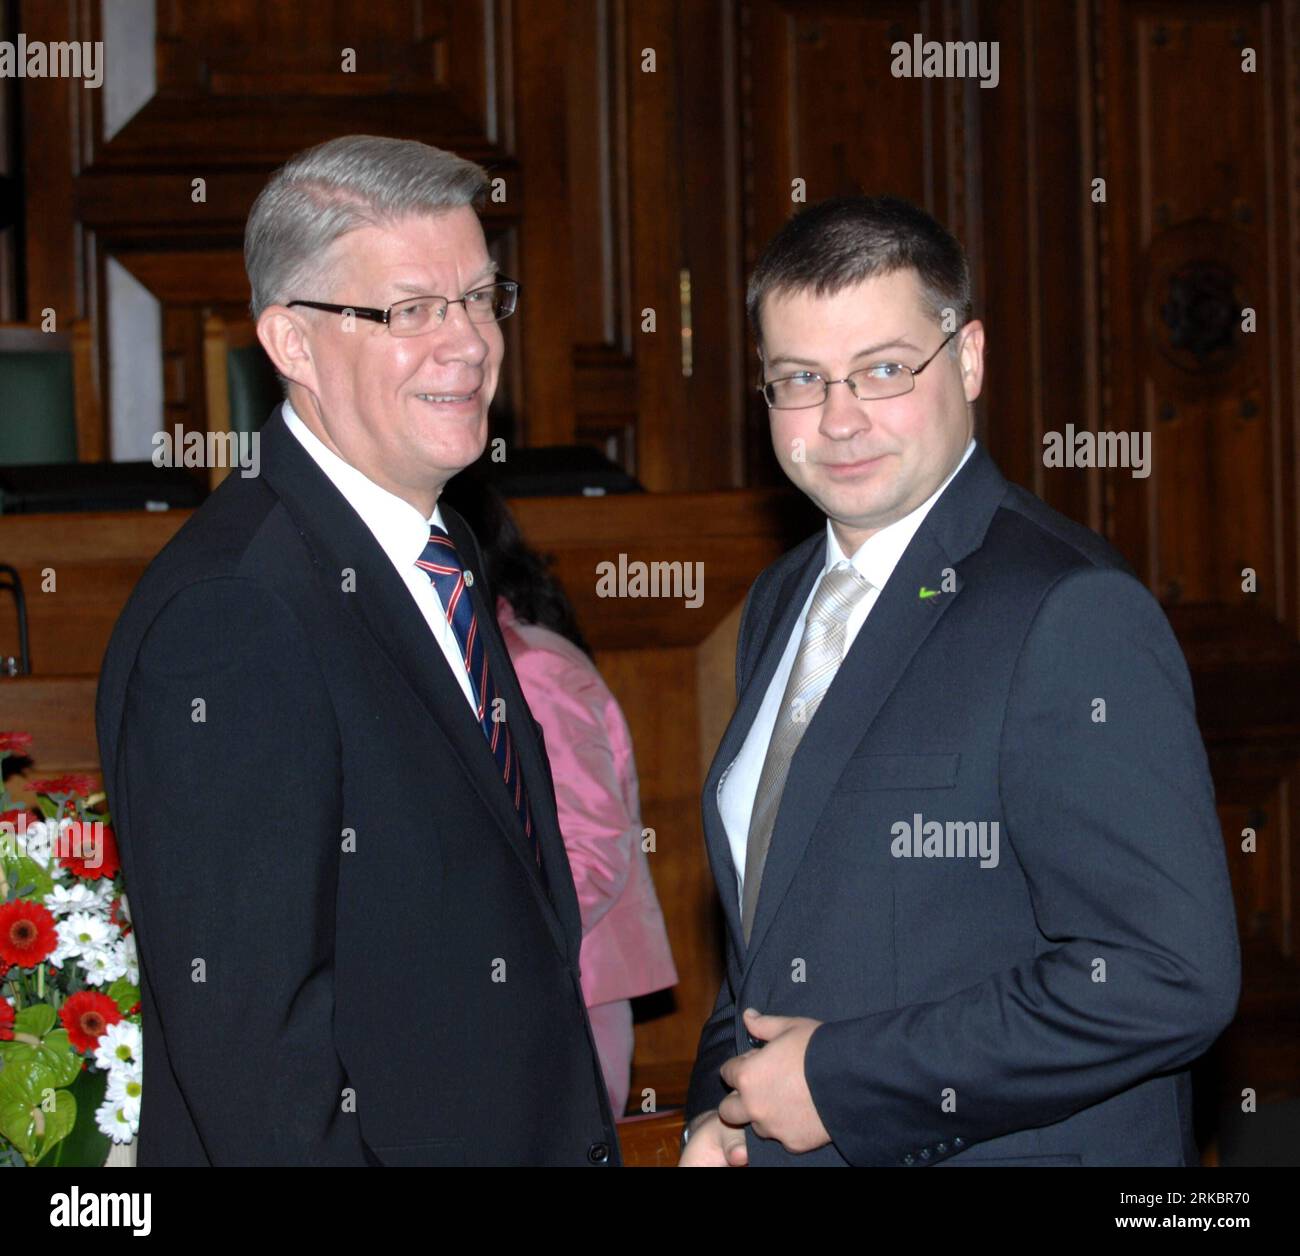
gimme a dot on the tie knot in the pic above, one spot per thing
(441, 545)
(440, 561)
(839, 592)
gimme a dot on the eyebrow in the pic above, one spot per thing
(897, 343)
(487, 271)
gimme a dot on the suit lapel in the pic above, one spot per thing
(894, 631)
(382, 606)
(786, 603)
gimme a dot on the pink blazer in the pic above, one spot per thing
(625, 948)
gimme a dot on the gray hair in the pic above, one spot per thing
(324, 192)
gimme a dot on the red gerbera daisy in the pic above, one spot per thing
(15, 743)
(119, 917)
(27, 933)
(88, 849)
(73, 783)
(85, 1016)
(14, 822)
(6, 1021)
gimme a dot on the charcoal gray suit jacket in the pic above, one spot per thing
(1040, 1011)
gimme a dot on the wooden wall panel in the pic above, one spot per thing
(237, 88)
(1193, 241)
(819, 104)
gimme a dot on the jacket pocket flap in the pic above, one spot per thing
(434, 1151)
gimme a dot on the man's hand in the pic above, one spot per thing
(768, 1087)
(714, 1145)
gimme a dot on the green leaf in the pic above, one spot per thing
(125, 994)
(52, 1062)
(86, 1146)
(37, 1020)
(30, 870)
(20, 1103)
(28, 876)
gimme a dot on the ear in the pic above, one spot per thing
(286, 339)
(971, 358)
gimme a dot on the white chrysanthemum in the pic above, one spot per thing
(82, 936)
(79, 897)
(34, 839)
(130, 959)
(104, 964)
(89, 930)
(104, 892)
(119, 1044)
(124, 1090)
(126, 1070)
(116, 1121)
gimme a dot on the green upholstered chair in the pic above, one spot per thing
(241, 384)
(48, 410)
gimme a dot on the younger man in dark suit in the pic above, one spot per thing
(961, 823)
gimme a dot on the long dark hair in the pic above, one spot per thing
(515, 572)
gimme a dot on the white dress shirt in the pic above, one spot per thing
(875, 559)
(402, 533)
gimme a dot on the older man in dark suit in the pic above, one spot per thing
(357, 926)
(977, 903)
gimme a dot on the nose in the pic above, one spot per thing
(843, 415)
(459, 339)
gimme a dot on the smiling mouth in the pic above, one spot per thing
(447, 398)
(857, 462)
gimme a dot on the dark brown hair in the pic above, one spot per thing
(841, 241)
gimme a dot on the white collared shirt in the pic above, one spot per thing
(875, 559)
(402, 533)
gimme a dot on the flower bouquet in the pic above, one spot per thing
(70, 1051)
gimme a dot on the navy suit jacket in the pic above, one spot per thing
(1040, 1011)
(384, 977)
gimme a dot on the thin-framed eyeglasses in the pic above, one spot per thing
(805, 389)
(416, 315)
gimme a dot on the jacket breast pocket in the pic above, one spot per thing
(899, 771)
(428, 1153)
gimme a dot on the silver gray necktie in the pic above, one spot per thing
(820, 652)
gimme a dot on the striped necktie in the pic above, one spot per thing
(441, 563)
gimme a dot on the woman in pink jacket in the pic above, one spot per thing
(625, 948)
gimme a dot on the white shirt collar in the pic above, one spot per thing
(400, 529)
(877, 556)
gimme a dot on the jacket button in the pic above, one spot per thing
(958, 1143)
(941, 1148)
(598, 1153)
(924, 1153)
(908, 1159)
